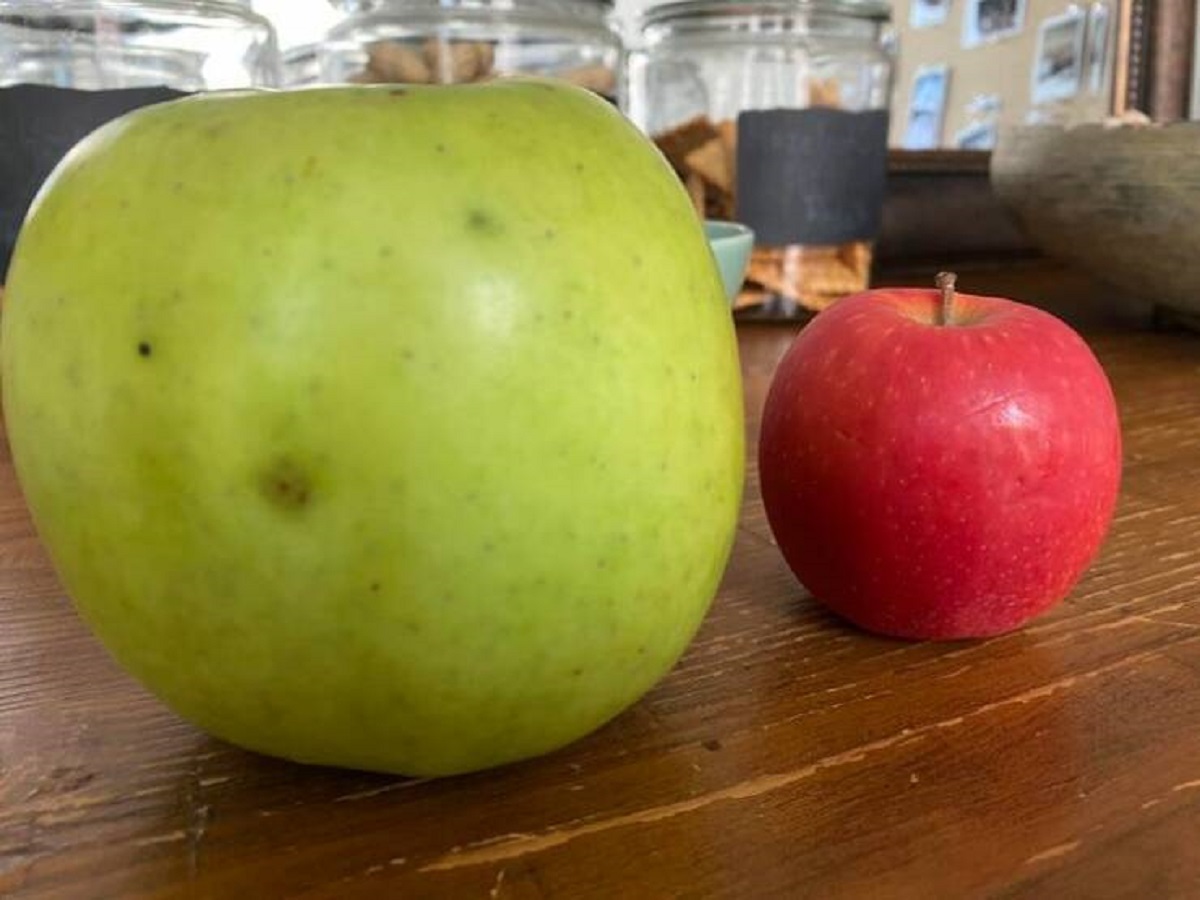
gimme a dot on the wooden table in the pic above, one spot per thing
(786, 756)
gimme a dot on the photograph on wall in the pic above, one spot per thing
(985, 21)
(928, 13)
(1097, 47)
(976, 136)
(984, 105)
(982, 115)
(927, 108)
(1058, 59)
(1195, 104)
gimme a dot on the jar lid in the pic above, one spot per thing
(879, 10)
(366, 6)
(87, 7)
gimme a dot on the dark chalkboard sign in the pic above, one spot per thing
(811, 176)
(38, 125)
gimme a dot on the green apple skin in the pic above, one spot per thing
(391, 429)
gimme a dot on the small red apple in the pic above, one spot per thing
(937, 465)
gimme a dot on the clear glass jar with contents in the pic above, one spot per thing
(187, 45)
(456, 41)
(301, 66)
(69, 66)
(775, 113)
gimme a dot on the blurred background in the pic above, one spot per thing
(851, 136)
(964, 69)
(298, 21)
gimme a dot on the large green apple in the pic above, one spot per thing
(395, 429)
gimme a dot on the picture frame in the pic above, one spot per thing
(928, 13)
(976, 136)
(1153, 63)
(926, 114)
(987, 21)
(1194, 105)
(1099, 29)
(1058, 59)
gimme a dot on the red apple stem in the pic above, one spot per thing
(945, 282)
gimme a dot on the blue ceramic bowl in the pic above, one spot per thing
(731, 244)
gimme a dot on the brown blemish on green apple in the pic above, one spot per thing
(144, 349)
(482, 221)
(286, 484)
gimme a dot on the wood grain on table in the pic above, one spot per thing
(786, 756)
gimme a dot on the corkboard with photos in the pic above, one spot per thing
(968, 67)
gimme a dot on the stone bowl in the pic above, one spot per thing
(1121, 203)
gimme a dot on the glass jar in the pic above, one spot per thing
(453, 41)
(188, 45)
(301, 66)
(775, 113)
